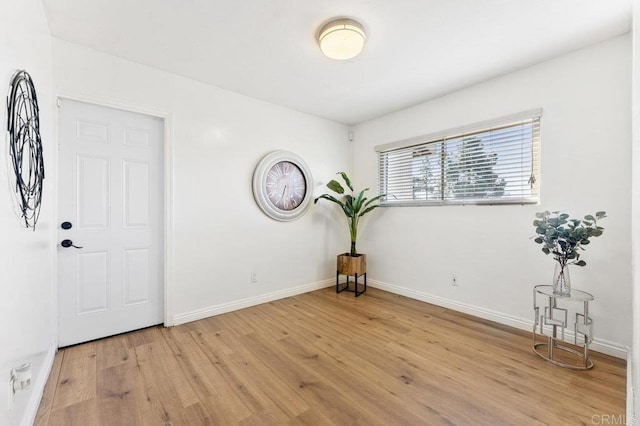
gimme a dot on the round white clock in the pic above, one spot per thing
(282, 185)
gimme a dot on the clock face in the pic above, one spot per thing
(285, 185)
(282, 185)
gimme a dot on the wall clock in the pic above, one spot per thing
(282, 185)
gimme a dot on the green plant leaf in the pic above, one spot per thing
(565, 237)
(368, 209)
(348, 206)
(357, 203)
(348, 200)
(330, 198)
(346, 179)
(335, 186)
(374, 199)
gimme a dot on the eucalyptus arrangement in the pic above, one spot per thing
(353, 206)
(564, 238)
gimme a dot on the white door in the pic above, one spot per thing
(110, 191)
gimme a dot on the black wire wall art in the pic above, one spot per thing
(25, 147)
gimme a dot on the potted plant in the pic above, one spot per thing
(354, 207)
(563, 237)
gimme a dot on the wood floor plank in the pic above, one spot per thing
(206, 379)
(82, 413)
(319, 393)
(77, 379)
(166, 389)
(268, 392)
(46, 403)
(116, 352)
(323, 358)
(115, 394)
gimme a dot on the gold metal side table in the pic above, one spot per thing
(555, 316)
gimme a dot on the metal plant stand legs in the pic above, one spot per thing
(555, 317)
(345, 287)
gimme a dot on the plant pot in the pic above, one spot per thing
(561, 280)
(352, 265)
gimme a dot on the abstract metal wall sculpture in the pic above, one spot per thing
(25, 146)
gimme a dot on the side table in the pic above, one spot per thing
(556, 317)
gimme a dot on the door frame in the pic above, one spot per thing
(167, 161)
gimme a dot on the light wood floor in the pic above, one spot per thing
(322, 358)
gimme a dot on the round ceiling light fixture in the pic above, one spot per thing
(342, 39)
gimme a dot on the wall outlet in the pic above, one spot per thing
(254, 278)
(19, 379)
(454, 280)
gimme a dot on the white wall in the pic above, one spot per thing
(586, 148)
(633, 365)
(27, 305)
(218, 234)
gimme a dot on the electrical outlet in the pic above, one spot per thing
(454, 280)
(254, 278)
(19, 379)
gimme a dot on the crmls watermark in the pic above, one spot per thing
(614, 419)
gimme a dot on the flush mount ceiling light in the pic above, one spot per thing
(342, 39)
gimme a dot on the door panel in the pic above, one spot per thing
(88, 131)
(110, 188)
(136, 276)
(93, 193)
(93, 282)
(136, 194)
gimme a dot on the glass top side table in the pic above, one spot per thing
(555, 316)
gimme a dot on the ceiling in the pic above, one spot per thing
(416, 49)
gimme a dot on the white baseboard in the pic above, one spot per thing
(598, 345)
(38, 387)
(248, 302)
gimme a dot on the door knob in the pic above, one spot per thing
(68, 243)
(66, 225)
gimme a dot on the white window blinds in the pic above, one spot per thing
(492, 162)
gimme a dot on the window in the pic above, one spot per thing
(493, 162)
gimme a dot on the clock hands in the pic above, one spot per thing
(281, 176)
(284, 191)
